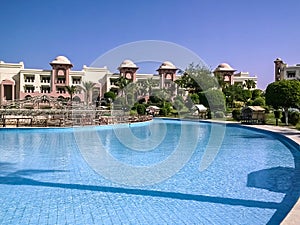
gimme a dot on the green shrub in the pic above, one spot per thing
(133, 113)
(282, 119)
(110, 95)
(294, 118)
(236, 114)
(178, 104)
(141, 109)
(250, 102)
(195, 98)
(267, 108)
(256, 93)
(219, 114)
(277, 114)
(163, 112)
(260, 101)
(210, 115)
(174, 112)
(154, 99)
(214, 99)
(238, 104)
(142, 100)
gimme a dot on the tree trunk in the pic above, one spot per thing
(286, 114)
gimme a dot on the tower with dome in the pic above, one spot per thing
(18, 82)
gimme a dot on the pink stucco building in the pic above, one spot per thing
(18, 82)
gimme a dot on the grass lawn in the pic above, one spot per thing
(270, 120)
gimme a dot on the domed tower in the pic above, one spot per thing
(167, 72)
(128, 70)
(224, 72)
(61, 67)
(279, 65)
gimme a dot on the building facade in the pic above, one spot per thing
(18, 82)
(229, 76)
(285, 72)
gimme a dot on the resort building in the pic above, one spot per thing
(164, 78)
(18, 82)
(285, 72)
(229, 76)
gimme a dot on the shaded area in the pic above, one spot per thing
(293, 193)
(32, 172)
(4, 166)
(6, 170)
(22, 181)
(254, 136)
(278, 179)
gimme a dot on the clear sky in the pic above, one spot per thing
(249, 35)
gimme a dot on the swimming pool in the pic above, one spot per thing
(62, 175)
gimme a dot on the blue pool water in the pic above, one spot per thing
(160, 172)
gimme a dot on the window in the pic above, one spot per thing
(60, 90)
(29, 78)
(29, 89)
(60, 72)
(76, 81)
(45, 89)
(61, 80)
(45, 79)
(291, 74)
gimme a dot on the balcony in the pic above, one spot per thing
(28, 80)
(29, 91)
(61, 92)
(60, 81)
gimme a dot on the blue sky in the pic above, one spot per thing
(248, 35)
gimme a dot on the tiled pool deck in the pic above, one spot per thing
(293, 218)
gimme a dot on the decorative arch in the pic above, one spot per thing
(76, 99)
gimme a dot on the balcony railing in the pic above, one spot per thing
(29, 80)
(60, 81)
(29, 91)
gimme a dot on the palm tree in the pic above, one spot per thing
(87, 87)
(71, 91)
(141, 87)
(132, 90)
(149, 84)
(249, 84)
(122, 82)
